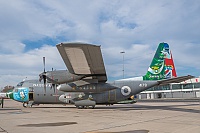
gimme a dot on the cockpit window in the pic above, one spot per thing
(20, 84)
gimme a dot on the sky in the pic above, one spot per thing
(30, 30)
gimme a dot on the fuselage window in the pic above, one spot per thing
(31, 89)
(20, 84)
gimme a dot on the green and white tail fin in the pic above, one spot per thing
(162, 65)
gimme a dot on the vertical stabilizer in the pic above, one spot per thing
(162, 65)
(170, 70)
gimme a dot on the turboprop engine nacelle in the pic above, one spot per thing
(85, 102)
(60, 76)
(100, 87)
(68, 97)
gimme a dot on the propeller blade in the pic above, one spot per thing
(44, 79)
(54, 87)
(44, 63)
(43, 75)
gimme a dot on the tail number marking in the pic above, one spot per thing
(143, 85)
(125, 90)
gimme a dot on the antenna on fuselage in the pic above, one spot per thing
(24, 79)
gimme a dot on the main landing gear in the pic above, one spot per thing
(28, 104)
(85, 107)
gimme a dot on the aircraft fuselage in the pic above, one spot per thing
(113, 92)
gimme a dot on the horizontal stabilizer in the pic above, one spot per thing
(174, 80)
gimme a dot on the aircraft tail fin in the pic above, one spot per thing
(162, 65)
(170, 70)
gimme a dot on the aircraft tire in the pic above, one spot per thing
(30, 106)
(25, 105)
(80, 107)
(85, 107)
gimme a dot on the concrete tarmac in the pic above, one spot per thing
(142, 117)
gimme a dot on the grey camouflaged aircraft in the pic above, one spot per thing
(85, 83)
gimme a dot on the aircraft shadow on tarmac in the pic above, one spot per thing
(180, 108)
(133, 131)
(61, 107)
(48, 124)
(72, 123)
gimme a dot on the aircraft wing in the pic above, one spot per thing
(174, 80)
(83, 59)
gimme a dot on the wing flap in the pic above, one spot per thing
(83, 59)
(78, 60)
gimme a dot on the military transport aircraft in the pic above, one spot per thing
(85, 83)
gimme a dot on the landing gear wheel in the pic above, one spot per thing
(30, 106)
(85, 107)
(25, 105)
(79, 107)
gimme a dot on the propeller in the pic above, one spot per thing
(53, 84)
(43, 75)
(44, 63)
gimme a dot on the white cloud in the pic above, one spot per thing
(15, 67)
(137, 59)
(11, 46)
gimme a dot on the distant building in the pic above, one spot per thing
(187, 89)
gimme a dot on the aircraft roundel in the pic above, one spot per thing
(125, 90)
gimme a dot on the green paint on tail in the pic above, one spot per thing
(156, 70)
